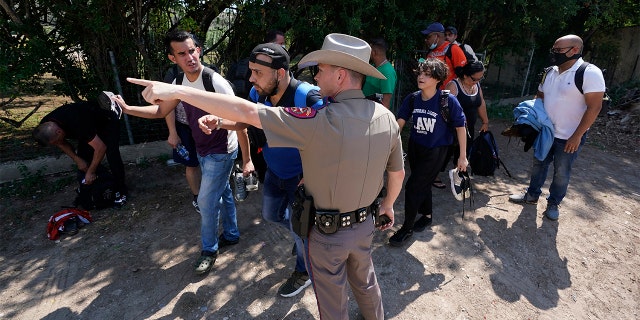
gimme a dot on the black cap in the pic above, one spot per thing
(452, 29)
(278, 54)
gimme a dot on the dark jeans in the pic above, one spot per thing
(562, 163)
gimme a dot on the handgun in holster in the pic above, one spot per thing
(302, 213)
(375, 209)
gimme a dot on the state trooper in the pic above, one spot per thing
(345, 147)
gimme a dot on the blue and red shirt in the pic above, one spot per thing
(285, 162)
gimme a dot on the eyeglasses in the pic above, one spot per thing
(476, 80)
(559, 50)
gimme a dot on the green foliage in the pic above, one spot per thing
(34, 184)
(75, 40)
(623, 93)
(500, 111)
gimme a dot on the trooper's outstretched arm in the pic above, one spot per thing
(222, 105)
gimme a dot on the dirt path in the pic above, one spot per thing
(503, 261)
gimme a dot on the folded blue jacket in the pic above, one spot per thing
(531, 112)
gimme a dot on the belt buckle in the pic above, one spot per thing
(345, 220)
(361, 215)
(357, 216)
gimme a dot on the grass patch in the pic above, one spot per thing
(33, 184)
(500, 111)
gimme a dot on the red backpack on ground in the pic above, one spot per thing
(57, 221)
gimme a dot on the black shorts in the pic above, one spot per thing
(184, 132)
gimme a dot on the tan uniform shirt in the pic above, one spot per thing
(345, 147)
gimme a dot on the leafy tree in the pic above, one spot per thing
(75, 41)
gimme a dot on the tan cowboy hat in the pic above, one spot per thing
(343, 51)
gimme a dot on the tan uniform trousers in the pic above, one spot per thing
(342, 257)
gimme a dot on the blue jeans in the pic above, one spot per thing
(277, 196)
(216, 198)
(562, 162)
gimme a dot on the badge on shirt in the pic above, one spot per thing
(301, 113)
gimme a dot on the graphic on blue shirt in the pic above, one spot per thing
(429, 129)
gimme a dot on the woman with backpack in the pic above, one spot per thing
(466, 87)
(437, 119)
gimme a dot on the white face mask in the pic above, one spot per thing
(434, 44)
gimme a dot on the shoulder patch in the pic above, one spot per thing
(301, 113)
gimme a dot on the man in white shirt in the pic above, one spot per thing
(571, 112)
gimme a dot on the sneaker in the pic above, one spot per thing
(400, 237)
(459, 184)
(523, 198)
(223, 242)
(552, 212)
(194, 203)
(422, 223)
(205, 262)
(296, 283)
(105, 102)
(120, 200)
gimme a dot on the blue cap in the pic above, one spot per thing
(434, 27)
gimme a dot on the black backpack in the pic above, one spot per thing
(239, 75)
(467, 54)
(484, 157)
(99, 194)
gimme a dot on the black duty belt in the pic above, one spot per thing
(329, 221)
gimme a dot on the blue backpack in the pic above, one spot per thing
(484, 157)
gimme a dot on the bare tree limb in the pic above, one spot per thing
(12, 14)
(18, 124)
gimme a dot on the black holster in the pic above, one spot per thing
(302, 213)
(375, 209)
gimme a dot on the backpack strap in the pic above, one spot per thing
(579, 76)
(495, 146)
(472, 202)
(544, 74)
(447, 52)
(207, 79)
(179, 78)
(296, 83)
(445, 112)
(412, 101)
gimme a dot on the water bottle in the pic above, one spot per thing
(182, 151)
(251, 181)
(239, 188)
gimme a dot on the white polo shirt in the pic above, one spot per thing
(563, 102)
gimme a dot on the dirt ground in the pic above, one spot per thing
(503, 261)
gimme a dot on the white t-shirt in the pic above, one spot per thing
(220, 84)
(563, 102)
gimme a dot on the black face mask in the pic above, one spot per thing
(557, 59)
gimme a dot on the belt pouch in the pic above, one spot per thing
(327, 221)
